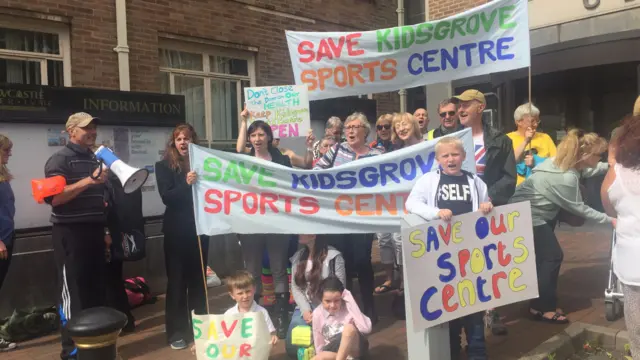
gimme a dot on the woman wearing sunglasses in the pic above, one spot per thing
(383, 133)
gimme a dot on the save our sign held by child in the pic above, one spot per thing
(237, 336)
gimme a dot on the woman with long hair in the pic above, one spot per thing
(314, 262)
(7, 213)
(261, 138)
(182, 253)
(620, 196)
(554, 185)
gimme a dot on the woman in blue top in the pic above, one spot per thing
(7, 212)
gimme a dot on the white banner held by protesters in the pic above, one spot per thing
(490, 38)
(470, 264)
(237, 193)
(285, 108)
(237, 336)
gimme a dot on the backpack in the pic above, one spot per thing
(138, 292)
(126, 222)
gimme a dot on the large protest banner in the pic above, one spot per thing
(237, 193)
(238, 336)
(284, 108)
(490, 38)
(470, 264)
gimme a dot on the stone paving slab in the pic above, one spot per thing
(581, 292)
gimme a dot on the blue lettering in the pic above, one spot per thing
(480, 285)
(369, 181)
(432, 237)
(482, 227)
(327, 182)
(428, 58)
(412, 169)
(346, 180)
(501, 46)
(445, 264)
(487, 248)
(387, 171)
(428, 315)
(314, 181)
(467, 52)
(450, 58)
(426, 167)
(484, 49)
(299, 180)
(412, 70)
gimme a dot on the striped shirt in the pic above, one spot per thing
(340, 154)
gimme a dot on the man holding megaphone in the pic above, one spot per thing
(79, 215)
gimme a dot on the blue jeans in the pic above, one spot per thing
(296, 320)
(474, 329)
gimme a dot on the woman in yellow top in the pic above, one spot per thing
(530, 147)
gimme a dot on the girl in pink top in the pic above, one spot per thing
(339, 327)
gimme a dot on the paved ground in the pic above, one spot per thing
(582, 283)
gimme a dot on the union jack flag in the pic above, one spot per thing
(481, 160)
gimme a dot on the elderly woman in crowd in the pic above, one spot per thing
(554, 185)
(531, 147)
(620, 196)
(383, 133)
(332, 128)
(356, 248)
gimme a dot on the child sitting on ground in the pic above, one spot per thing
(339, 327)
(441, 194)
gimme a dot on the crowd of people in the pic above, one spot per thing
(524, 165)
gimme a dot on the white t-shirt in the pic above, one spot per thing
(255, 308)
(480, 154)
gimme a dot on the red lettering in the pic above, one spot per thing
(309, 205)
(305, 48)
(447, 294)
(208, 198)
(287, 202)
(336, 49)
(351, 43)
(496, 230)
(503, 259)
(228, 332)
(268, 199)
(371, 66)
(244, 350)
(494, 283)
(445, 235)
(250, 208)
(463, 260)
(230, 197)
(324, 50)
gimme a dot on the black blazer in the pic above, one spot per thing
(179, 220)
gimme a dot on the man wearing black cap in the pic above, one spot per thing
(78, 215)
(495, 164)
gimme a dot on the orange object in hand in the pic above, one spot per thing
(42, 188)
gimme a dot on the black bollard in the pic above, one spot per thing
(95, 332)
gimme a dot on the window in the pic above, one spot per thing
(34, 53)
(212, 83)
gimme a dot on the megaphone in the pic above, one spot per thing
(42, 188)
(130, 178)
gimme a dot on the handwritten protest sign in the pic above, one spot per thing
(237, 193)
(285, 108)
(470, 264)
(490, 38)
(238, 336)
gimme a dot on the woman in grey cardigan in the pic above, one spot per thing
(309, 266)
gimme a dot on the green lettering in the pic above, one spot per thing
(396, 38)
(197, 333)
(265, 174)
(423, 33)
(407, 42)
(245, 327)
(458, 24)
(504, 15)
(213, 351)
(488, 23)
(212, 165)
(247, 174)
(442, 29)
(473, 24)
(232, 173)
(382, 39)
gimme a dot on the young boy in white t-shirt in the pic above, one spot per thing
(442, 194)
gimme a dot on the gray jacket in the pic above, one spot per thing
(549, 189)
(300, 294)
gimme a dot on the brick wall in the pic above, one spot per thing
(439, 9)
(93, 33)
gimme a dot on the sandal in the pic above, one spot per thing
(384, 288)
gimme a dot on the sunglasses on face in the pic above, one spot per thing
(386, 127)
(450, 113)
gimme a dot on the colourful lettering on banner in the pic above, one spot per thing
(284, 108)
(486, 265)
(228, 338)
(490, 38)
